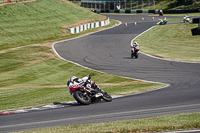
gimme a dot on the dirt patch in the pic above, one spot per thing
(48, 44)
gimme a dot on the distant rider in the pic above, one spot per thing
(160, 12)
(165, 19)
(135, 44)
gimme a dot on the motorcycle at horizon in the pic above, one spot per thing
(187, 19)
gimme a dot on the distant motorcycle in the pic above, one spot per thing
(160, 13)
(162, 22)
(135, 50)
(186, 19)
(86, 91)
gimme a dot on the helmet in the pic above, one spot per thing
(135, 42)
(73, 78)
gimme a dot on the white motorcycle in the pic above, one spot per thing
(186, 20)
(162, 22)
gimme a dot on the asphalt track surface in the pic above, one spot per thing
(109, 51)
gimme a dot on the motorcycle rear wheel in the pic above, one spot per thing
(136, 55)
(132, 54)
(107, 97)
(82, 98)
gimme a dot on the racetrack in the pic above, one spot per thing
(109, 51)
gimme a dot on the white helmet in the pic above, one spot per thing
(73, 78)
(135, 42)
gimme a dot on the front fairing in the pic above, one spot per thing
(137, 48)
(73, 88)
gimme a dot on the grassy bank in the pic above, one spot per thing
(39, 21)
(175, 4)
(157, 124)
(33, 96)
(174, 42)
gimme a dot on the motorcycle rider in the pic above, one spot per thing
(135, 44)
(186, 18)
(160, 12)
(73, 81)
(165, 19)
(162, 21)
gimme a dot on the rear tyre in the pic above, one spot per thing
(131, 54)
(107, 97)
(136, 55)
(82, 98)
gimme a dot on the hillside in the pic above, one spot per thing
(38, 21)
(177, 4)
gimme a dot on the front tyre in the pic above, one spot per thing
(82, 98)
(107, 97)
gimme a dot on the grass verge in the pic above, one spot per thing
(156, 124)
(183, 14)
(39, 21)
(177, 4)
(34, 96)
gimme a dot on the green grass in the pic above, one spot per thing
(32, 96)
(183, 14)
(173, 4)
(174, 42)
(33, 22)
(175, 20)
(156, 124)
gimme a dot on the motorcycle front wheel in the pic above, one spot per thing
(107, 97)
(82, 98)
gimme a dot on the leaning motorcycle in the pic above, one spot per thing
(186, 20)
(135, 51)
(87, 91)
(162, 22)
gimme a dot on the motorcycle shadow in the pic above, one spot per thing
(74, 103)
(67, 103)
(128, 58)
